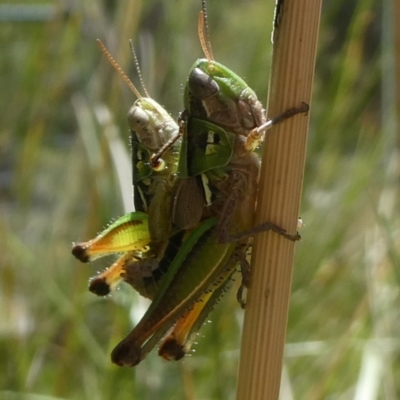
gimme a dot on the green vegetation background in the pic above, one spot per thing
(63, 154)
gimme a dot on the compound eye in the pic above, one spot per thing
(202, 85)
(137, 118)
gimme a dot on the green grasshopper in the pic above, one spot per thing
(221, 130)
(151, 128)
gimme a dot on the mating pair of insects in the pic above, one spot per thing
(195, 187)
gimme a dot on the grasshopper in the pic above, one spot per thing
(144, 274)
(208, 256)
(151, 128)
(222, 124)
(147, 261)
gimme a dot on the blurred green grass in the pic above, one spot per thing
(64, 143)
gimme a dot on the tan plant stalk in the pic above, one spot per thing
(295, 41)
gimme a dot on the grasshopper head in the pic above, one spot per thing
(151, 123)
(215, 93)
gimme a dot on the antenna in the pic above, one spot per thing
(204, 37)
(138, 68)
(118, 68)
